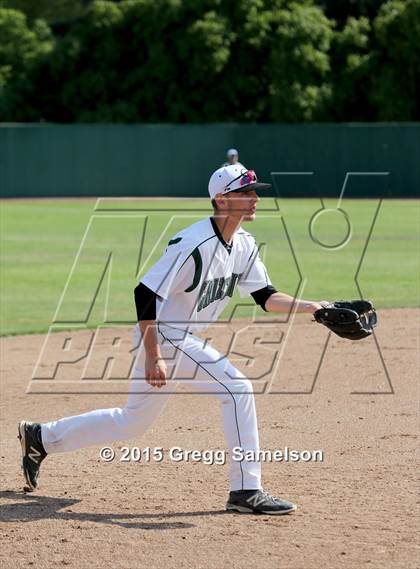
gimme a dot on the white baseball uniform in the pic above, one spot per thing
(194, 280)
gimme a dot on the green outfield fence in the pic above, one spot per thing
(38, 160)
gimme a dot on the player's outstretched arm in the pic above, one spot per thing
(282, 302)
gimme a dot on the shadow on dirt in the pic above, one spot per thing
(32, 507)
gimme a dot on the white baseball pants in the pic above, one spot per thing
(193, 363)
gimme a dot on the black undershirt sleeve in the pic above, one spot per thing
(145, 302)
(262, 295)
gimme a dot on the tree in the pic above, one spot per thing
(21, 48)
(395, 62)
(138, 61)
(210, 60)
(299, 63)
(342, 10)
(57, 11)
(351, 72)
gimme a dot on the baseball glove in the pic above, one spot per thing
(351, 319)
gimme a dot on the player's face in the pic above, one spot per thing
(233, 159)
(243, 204)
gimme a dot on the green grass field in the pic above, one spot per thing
(41, 238)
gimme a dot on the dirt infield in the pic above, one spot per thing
(357, 508)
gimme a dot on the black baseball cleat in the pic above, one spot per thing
(258, 502)
(33, 452)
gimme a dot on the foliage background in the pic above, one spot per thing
(201, 61)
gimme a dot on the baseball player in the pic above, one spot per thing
(183, 293)
(232, 156)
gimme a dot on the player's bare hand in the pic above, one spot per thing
(321, 304)
(155, 371)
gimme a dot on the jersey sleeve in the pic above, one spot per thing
(255, 276)
(173, 272)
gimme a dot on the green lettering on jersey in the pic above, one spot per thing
(209, 294)
(217, 289)
(220, 288)
(232, 283)
(201, 295)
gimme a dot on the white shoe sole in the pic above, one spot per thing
(245, 510)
